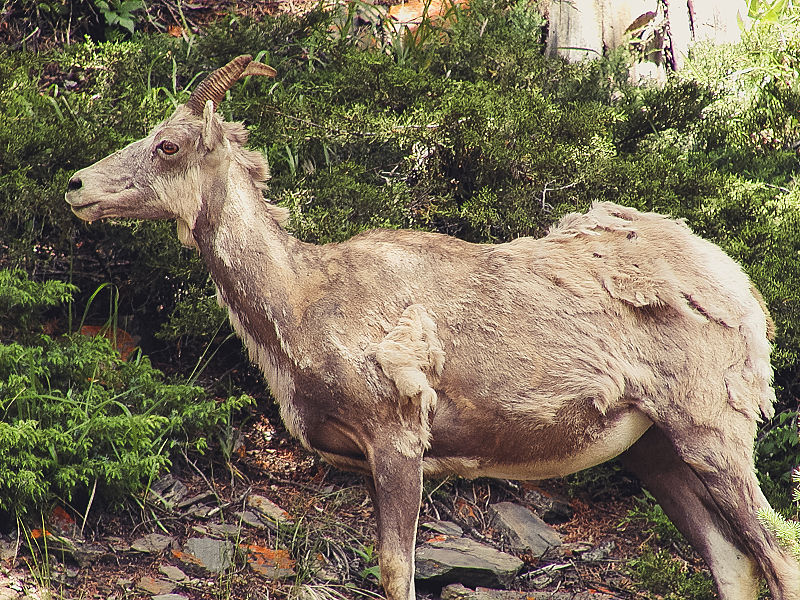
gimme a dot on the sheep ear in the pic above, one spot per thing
(212, 130)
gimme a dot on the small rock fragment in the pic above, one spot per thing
(551, 508)
(466, 561)
(10, 588)
(196, 499)
(457, 591)
(208, 554)
(599, 552)
(167, 491)
(268, 511)
(524, 531)
(251, 519)
(223, 530)
(8, 550)
(269, 562)
(444, 527)
(154, 586)
(124, 583)
(173, 573)
(201, 511)
(153, 543)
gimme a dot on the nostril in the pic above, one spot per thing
(74, 184)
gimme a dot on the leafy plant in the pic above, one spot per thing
(670, 578)
(768, 11)
(787, 531)
(369, 557)
(23, 301)
(74, 415)
(647, 512)
(658, 571)
(119, 13)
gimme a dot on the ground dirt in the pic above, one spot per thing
(98, 558)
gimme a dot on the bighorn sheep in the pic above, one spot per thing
(400, 354)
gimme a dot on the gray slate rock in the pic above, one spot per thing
(269, 512)
(524, 531)
(251, 519)
(170, 597)
(444, 527)
(457, 591)
(167, 491)
(224, 530)
(154, 586)
(552, 509)
(600, 552)
(465, 561)
(153, 543)
(209, 554)
(173, 573)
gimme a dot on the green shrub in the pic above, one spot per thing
(472, 132)
(671, 578)
(787, 531)
(73, 414)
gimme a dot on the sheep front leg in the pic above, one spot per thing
(397, 492)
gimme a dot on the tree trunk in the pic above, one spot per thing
(659, 32)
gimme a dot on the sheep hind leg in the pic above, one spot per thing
(715, 465)
(689, 506)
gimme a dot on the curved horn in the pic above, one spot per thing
(214, 86)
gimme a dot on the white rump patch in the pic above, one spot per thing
(411, 355)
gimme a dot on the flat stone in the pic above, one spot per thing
(444, 527)
(196, 499)
(8, 550)
(154, 586)
(170, 597)
(173, 573)
(269, 562)
(153, 543)
(124, 583)
(201, 511)
(89, 553)
(457, 591)
(463, 560)
(599, 552)
(524, 531)
(268, 511)
(224, 530)
(10, 588)
(117, 544)
(167, 491)
(209, 554)
(552, 509)
(251, 519)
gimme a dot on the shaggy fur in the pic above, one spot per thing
(399, 352)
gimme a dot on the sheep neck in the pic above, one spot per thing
(254, 264)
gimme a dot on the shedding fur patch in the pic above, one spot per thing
(650, 260)
(411, 355)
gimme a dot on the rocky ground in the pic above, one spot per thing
(277, 522)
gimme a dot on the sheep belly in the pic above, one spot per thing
(617, 438)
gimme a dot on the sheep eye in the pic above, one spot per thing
(168, 147)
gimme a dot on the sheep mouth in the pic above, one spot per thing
(87, 210)
(78, 208)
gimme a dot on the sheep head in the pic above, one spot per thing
(166, 174)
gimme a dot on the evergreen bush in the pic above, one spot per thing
(74, 415)
(471, 132)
